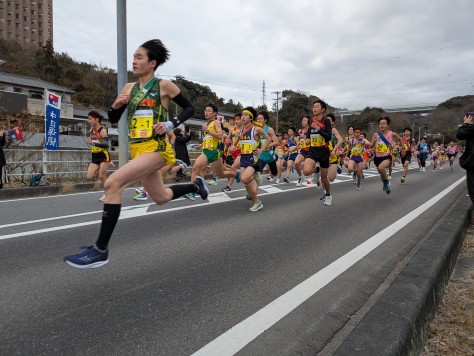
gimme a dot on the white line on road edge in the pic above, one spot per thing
(246, 331)
(135, 211)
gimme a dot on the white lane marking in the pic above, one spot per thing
(270, 189)
(240, 335)
(137, 211)
(218, 198)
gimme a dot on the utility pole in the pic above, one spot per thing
(264, 96)
(122, 76)
(277, 107)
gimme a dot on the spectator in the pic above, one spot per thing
(180, 149)
(3, 161)
(466, 132)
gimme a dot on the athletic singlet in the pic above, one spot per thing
(149, 112)
(357, 147)
(291, 145)
(407, 143)
(423, 148)
(248, 143)
(268, 155)
(96, 138)
(381, 148)
(452, 150)
(209, 142)
(233, 135)
(315, 138)
(303, 145)
(442, 152)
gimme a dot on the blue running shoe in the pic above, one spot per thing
(190, 196)
(237, 176)
(386, 187)
(141, 196)
(358, 186)
(89, 258)
(203, 191)
(339, 170)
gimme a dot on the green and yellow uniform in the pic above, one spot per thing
(146, 110)
(210, 144)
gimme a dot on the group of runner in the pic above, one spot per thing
(317, 148)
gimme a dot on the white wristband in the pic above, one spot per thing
(169, 126)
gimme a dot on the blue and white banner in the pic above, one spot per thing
(52, 116)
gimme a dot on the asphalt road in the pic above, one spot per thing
(209, 278)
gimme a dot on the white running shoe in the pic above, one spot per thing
(102, 198)
(256, 207)
(328, 200)
(277, 181)
(300, 182)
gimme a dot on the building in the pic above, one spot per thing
(28, 22)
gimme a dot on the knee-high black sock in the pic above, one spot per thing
(110, 217)
(180, 189)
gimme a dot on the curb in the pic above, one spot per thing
(397, 324)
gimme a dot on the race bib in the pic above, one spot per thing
(303, 143)
(247, 148)
(141, 125)
(317, 140)
(382, 148)
(356, 151)
(208, 143)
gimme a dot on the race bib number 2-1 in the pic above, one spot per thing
(141, 125)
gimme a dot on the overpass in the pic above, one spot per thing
(415, 109)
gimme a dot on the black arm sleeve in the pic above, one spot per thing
(327, 132)
(115, 114)
(104, 144)
(188, 109)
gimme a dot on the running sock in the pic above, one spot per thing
(110, 217)
(181, 189)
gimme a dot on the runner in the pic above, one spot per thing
(383, 143)
(293, 145)
(452, 153)
(234, 149)
(99, 142)
(319, 133)
(148, 101)
(250, 162)
(408, 146)
(423, 152)
(334, 145)
(281, 151)
(211, 154)
(442, 155)
(268, 156)
(434, 155)
(304, 148)
(355, 151)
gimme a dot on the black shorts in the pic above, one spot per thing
(406, 158)
(320, 155)
(229, 160)
(378, 160)
(451, 155)
(248, 161)
(304, 153)
(99, 157)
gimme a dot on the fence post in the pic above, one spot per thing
(45, 161)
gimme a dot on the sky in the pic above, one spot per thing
(352, 54)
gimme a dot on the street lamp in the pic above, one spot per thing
(419, 131)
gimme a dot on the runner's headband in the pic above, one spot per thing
(248, 112)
